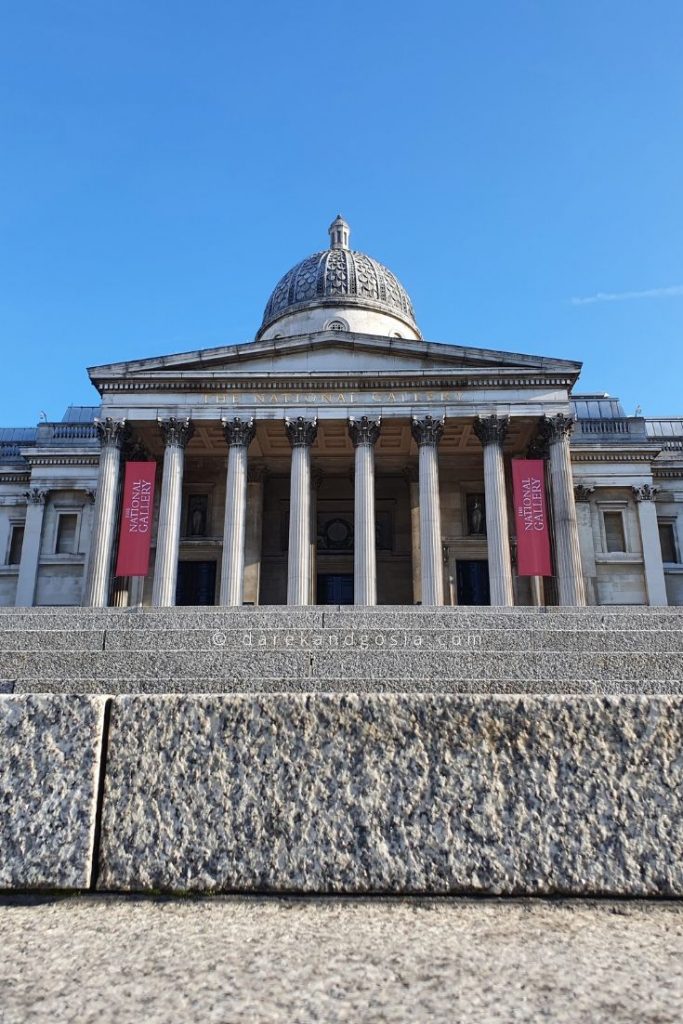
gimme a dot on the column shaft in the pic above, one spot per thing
(98, 578)
(301, 434)
(491, 431)
(239, 434)
(299, 562)
(427, 432)
(497, 530)
(364, 433)
(30, 549)
(414, 508)
(364, 552)
(254, 534)
(176, 434)
(570, 586)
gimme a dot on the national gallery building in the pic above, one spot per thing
(340, 458)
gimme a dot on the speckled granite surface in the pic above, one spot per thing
(401, 793)
(111, 960)
(49, 763)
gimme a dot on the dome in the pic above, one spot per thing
(339, 288)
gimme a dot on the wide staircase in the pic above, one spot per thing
(341, 750)
(342, 649)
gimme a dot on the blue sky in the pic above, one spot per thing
(163, 164)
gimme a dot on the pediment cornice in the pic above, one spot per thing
(224, 368)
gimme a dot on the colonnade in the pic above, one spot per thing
(364, 432)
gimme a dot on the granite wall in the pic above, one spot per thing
(372, 793)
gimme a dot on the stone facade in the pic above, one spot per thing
(333, 460)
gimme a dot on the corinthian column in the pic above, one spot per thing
(112, 434)
(570, 585)
(652, 548)
(301, 433)
(364, 433)
(239, 435)
(176, 434)
(491, 431)
(427, 432)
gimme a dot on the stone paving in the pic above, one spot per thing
(96, 960)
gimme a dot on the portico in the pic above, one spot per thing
(280, 483)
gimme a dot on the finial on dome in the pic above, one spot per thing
(339, 232)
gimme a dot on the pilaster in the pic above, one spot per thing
(652, 549)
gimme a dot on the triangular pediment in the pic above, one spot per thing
(330, 352)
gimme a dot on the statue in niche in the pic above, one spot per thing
(475, 515)
(197, 515)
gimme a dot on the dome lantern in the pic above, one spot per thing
(339, 232)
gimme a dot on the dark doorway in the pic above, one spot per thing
(196, 583)
(473, 582)
(335, 588)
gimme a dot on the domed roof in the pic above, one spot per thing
(339, 277)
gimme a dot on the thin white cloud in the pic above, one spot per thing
(651, 293)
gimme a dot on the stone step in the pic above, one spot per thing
(325, 639)
(409, 618)
(352, 665)
(112, 685)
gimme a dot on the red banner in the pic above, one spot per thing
(136, 519)
(533, 538)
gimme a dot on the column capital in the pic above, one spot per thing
(256, 473)
(364, 430)
(491, 429)
(301, 432)
(176, 432)
(111, 432)
(644, 493)
(133, 450)
(36, 496)
(238, 431)
(427, 430)
(557, 428)
(582, 492)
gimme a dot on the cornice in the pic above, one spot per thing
(610, 455)
(192, 382)
(59, 457)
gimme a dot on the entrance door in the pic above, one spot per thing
(196, 583)
(473, 582)
(335, 588)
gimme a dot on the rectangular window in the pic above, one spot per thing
(615, 537)
(67, 526)
(16, 543)
(667, 538)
